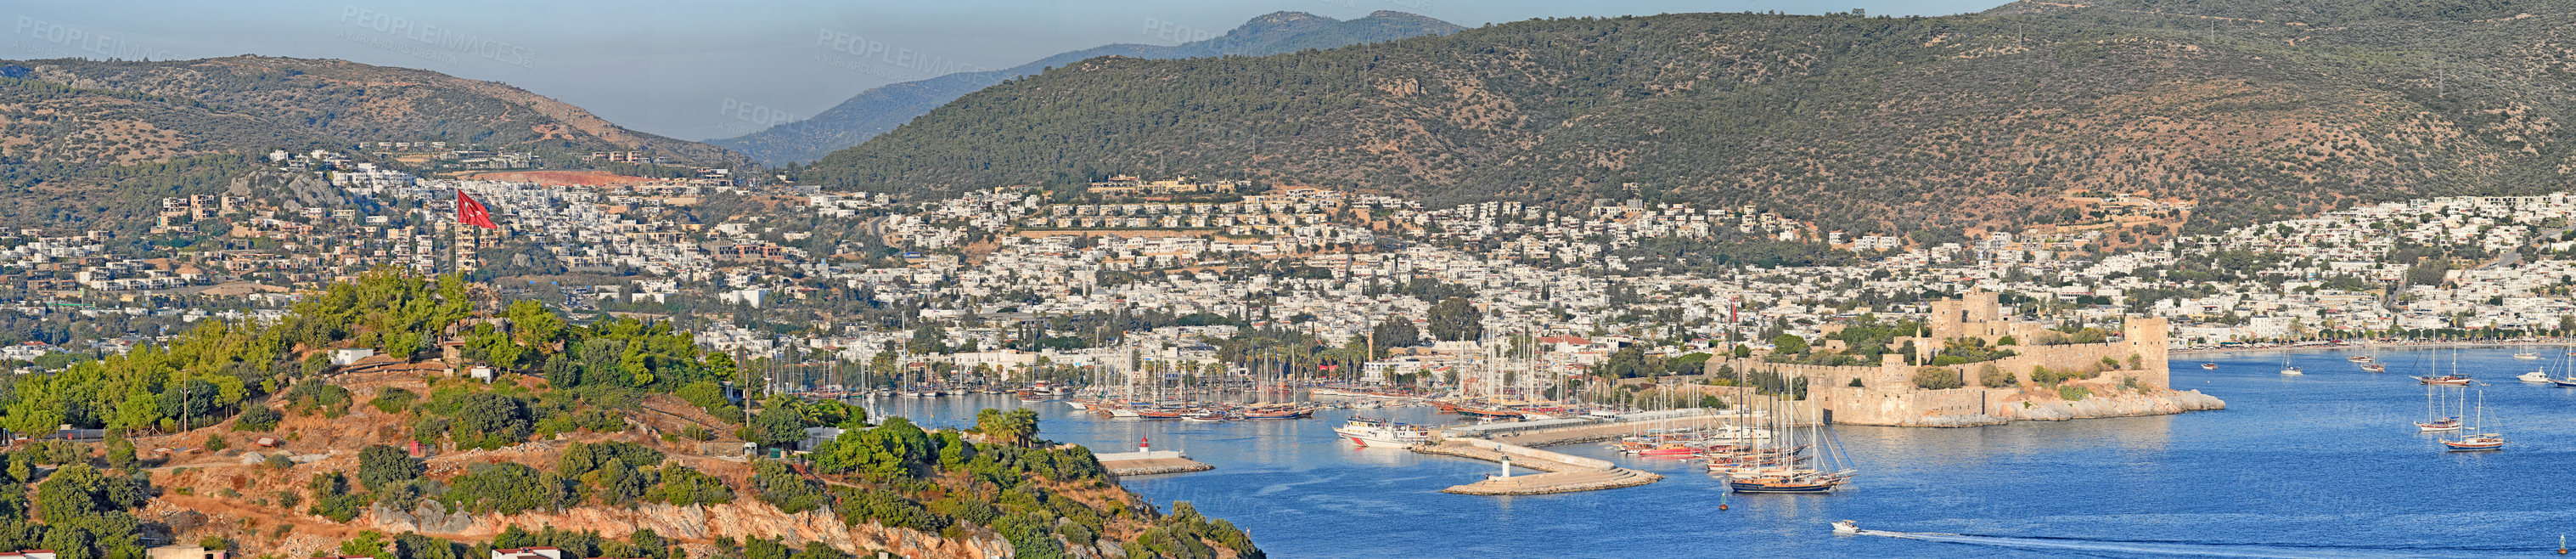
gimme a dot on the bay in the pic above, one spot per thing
(2327, 464)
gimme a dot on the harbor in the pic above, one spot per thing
(2083, 485)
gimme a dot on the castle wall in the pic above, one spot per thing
(1887, 395)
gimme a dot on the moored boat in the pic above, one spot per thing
(1368, 431)
(2209, 366)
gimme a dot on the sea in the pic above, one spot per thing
(2325, 464)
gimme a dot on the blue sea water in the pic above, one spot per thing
(2322, 465)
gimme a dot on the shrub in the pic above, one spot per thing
(2005, 341)
(2073, 393)
(1855, 383)
(381, 467)
(1993, 377)
(1937, 378)
(684, 487)
(258, 418)
(394, 400)
(215, 443)
(784, 488)
(2109, 364)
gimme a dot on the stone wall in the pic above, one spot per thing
(1887, 394)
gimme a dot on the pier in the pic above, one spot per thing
(1564, 473)
(1587, 429)
(1147, 461)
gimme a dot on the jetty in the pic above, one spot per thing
(1548, 432)
(1147, 461)
(1564, 473)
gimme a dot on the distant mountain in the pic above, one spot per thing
(1947, 124)
(882, 108)
(94, 145)
(127, 112)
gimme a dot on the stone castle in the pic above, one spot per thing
(2131, 376)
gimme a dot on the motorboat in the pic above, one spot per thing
(2209, 366)
(1369, 431)
(1846, 527)
(2534, 377)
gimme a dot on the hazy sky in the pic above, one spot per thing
(698, 70)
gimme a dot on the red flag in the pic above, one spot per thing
(470, 212)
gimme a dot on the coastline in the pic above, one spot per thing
(2378, 345)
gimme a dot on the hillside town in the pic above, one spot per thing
(997, 272)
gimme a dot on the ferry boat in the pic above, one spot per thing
(1368, 431)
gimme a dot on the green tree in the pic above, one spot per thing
(1788, 344)
(1455, 319)
(381, 467)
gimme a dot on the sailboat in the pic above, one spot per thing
(2288, 369)
(2527, 355)
(2454, 379)
(2481, 441)
(2567, 370)
(1790, 472)
(2433, 411)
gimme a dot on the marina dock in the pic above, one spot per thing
(1151, 466)
(1146, 461)
(1565, 473)
(1588, 429)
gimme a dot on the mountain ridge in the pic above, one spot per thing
(882, 108)
(1982, 122)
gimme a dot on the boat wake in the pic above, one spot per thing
(2133, 548)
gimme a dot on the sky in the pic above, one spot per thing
(701, 70)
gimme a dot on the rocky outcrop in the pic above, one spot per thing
(2113, 405)
(740, 519)
(2106, 403)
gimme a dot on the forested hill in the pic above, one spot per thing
(84, 111)
(1863, 124)
(879, 109)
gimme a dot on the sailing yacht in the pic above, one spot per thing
(2526, 355)
(2453, 379)
(2288, 369)
(2433, 411)
(2480, 441)
(1789, 472)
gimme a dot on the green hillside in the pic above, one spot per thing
(1859, 123)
